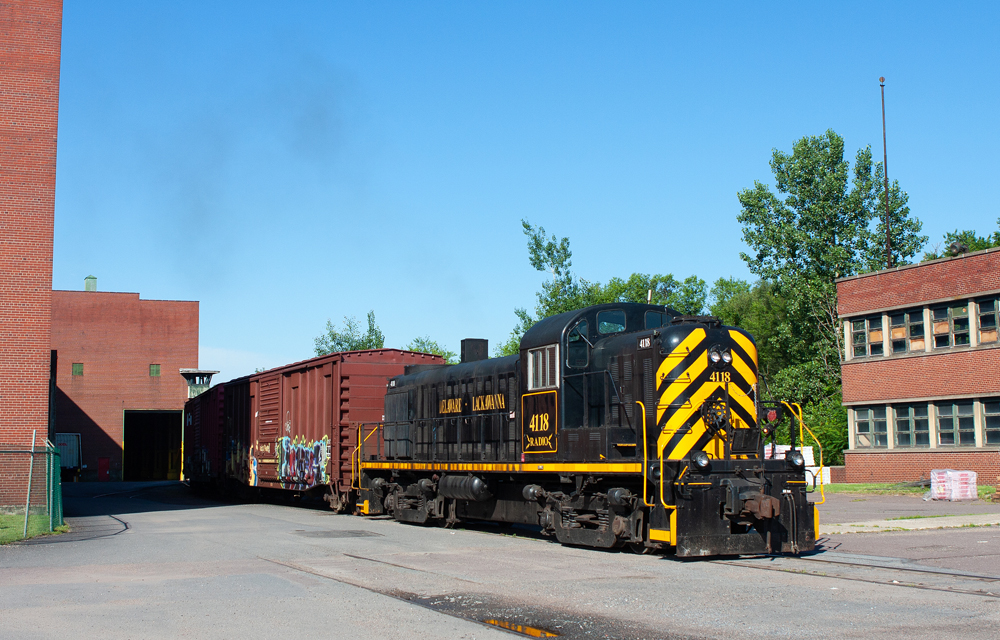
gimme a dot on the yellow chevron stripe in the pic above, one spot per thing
(679, 352)
(676, 388)
(744, 370)
(688, 441)
(682, 414)
(746, 343)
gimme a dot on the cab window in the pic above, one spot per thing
(612, 321)
(577, 349)
(656, 319)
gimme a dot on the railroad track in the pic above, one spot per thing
(892, 572)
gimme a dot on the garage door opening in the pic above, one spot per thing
(152, 445)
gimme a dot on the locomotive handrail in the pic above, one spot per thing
(645, 457)
(802, 425)
(357, 452)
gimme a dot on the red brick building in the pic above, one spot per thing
(122, 377)
(31, 34)
(920, 369)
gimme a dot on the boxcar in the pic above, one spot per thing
(292, 428)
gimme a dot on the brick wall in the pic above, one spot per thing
(948, 278)
(30, 41)
(943, 373)
(906, 466)
(116, 336)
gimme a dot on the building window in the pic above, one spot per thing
(951, 326)
(543, 368)
(906, 330)
(912, 426)
(991, 408)
(77, 368)
(154, 371)
(956, 424)
(867, 336)
(870, 427)
(987, 320)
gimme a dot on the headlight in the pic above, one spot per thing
(714, 355)
(727, 356)
(700, 461)
(795, 459)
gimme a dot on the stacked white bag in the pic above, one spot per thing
(948, 484)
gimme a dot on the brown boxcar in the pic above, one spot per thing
(204, 445)
(291, 427)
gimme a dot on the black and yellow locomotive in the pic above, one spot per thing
(618, 424)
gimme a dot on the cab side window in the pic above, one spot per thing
(612, 321)
(577, 349)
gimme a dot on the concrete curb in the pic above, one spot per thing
(912, 524)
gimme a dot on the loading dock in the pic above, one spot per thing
(152, 445)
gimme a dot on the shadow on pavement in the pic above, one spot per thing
(83, 499)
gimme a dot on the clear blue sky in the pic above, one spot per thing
(288, 163)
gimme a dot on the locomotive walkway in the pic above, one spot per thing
(154, 561)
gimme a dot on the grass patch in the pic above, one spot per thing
(11, 527)
(891, 489)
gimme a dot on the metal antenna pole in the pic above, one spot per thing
(885, 173)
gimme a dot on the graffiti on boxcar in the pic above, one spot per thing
(302, 462)
(252, 469)
(238, 460)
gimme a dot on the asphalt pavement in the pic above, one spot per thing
(155, 561)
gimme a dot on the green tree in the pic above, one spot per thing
(350, 337)
(956, 242)
(565, 292)
(826, 225)
(825, 221)
(426, 345)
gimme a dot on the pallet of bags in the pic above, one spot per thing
(949, 484)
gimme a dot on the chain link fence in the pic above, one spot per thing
(30, 491)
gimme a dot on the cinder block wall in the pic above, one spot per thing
(30, 44)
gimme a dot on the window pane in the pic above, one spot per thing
(77, 368)
(962, 310)
(611, 321)
(917, 330)
(961, 339)
(987, 305)
(946, 438)
(992, 407)
(654, 319)
(899, 346)
(876, 349)
(897, 320)
(961, 324)
(922, 439)
(920, 411)
(965, 408)
(940, 313)
(988, 321)
(942, 341)
(858, 325)
(879, 413)
(944, 410)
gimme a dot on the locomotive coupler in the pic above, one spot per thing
(745, 499)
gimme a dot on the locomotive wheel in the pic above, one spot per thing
(640, 548)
